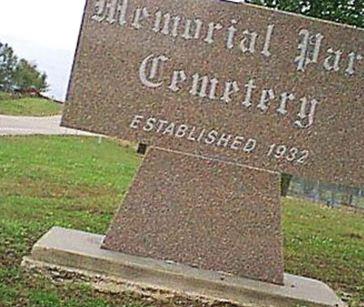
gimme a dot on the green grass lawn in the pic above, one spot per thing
(28, 106)
(77, 183)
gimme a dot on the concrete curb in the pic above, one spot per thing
(69, 255)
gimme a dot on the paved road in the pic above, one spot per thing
(15, 125)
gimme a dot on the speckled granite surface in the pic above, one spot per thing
(208, 214)
(281, 92)
(227, 82)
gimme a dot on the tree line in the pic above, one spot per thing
(349, 12)
(19, 74)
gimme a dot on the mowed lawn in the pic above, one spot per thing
(78, 183)
(28, 106)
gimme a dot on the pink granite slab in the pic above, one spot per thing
(208, 214)
(297, 104)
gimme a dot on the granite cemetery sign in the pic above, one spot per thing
(220, 81)
(228, 95)
(226, 81)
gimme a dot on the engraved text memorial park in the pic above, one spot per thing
(227, 96)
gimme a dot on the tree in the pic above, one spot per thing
(26, 75)
(8, 62)
(343, 11)
(19, 74)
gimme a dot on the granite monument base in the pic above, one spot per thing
(205, 213)
(71, 256)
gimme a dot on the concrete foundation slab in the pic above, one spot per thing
(77, 256)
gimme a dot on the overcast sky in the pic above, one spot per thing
(44, 32)
(53, 23)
